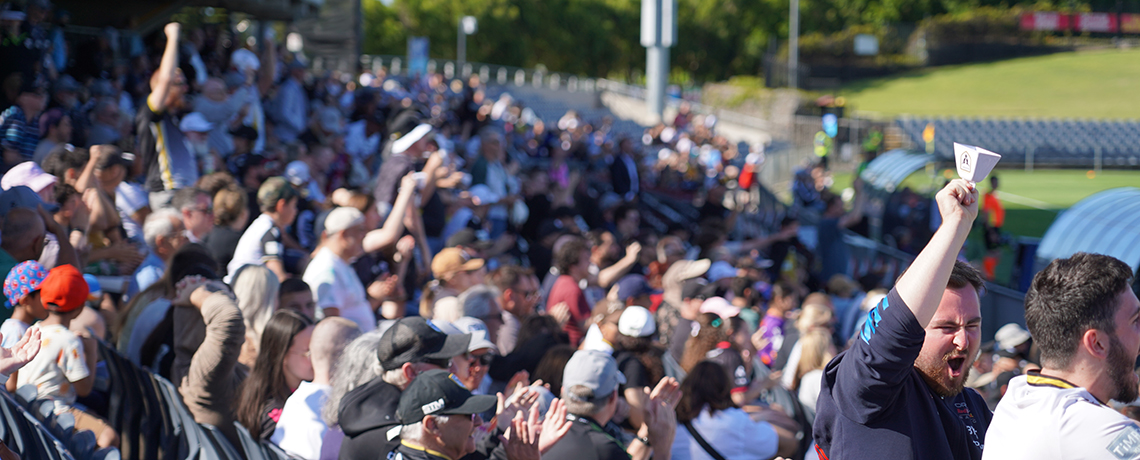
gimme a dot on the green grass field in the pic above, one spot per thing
(1032, 200)
(1088, 84)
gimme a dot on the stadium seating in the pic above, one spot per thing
(1054, 142)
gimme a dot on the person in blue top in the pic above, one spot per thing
(898, 392)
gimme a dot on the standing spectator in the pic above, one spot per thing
(455, 271)
(281, 366)
(292, 105)
(623, 172)
(197, 212)
(1082, 314)
(63, 370)
(160, 143)
(490, 171)
(19, 124)
(769, 337)
(906, 371)
(261, 243)
(65, 97)
(336, 287)
(231, 213)
(573, 262)
(300, 429)
(55, 127)
(833, 253)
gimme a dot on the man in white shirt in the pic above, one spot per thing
(336, 287)
(301, 429)
(1085, 320)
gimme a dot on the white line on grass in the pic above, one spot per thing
(1006, 196)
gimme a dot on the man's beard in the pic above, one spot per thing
(1120, 368)
(934, 373)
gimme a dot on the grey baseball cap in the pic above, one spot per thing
(594, 370)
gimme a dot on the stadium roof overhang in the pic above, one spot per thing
(145, 16)
(1105, 223)
(889, 170)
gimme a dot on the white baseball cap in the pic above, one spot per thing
(636, 321)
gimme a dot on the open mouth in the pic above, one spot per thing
(956, 364)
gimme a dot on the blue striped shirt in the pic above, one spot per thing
(19, 134)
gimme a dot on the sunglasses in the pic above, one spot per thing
(484, 360)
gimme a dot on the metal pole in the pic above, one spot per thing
(656, 78)
(1097, 159)
(461, 53)
(794, 44)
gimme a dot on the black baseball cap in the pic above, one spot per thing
(467, 237)
(438, 392)
(695, 288)
(415, 339)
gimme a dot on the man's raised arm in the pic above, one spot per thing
(164, 76)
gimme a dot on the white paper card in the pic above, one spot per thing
(974, 163)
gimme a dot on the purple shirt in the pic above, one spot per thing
(772, 331)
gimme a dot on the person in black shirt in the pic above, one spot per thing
(898, 391)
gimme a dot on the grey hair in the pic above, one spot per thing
(396, 378)
(413, 432)
(477, 300)
(580, 400)
(158, 223)
(358, 364)
(256, 289)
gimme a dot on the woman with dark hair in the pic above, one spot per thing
(639, 359)
(706, 411)
(551, 367)
(712, 339)
(282, 364)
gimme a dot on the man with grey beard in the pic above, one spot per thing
(1085, 320)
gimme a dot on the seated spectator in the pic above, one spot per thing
(590, 390)
(336, 287)
(164, 235)
(22, 288)
(296, 295)
(814, 315)
(64, 369)
(300, 429)
(19, 124)
(281, 366)
(256, 288)
(407, 349)
(231, 213)
(55, 129)
(707, 412)
(31, 175)
(573, 262)
(817, 350)
(481, 302)
(518, 294)
(455, 271)
(358, 365)
(429, 432)
(471, 367)
(261, 244)
(23, 230)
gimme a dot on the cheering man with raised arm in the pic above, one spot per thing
(1085, 319)
(898, 393)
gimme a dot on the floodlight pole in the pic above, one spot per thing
(467, 26)
(658, 33)
(794, 44)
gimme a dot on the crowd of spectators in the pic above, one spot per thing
(301, 252)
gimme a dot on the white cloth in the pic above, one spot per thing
(358, 144)
(261, 240)
(300, 429)
(595, 342)
(733, 434)
(809, 388)
(13, 330)
(59, 363)
(335, 285)
(1042, 421)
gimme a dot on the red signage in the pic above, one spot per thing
(1045, 21)
(1095, 22)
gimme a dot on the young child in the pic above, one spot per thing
(62, 369)
(22, 287)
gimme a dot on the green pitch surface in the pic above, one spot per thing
(1032, 199)
(1087, 84)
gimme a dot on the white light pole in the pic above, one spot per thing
(658, 34)
(467, 25)
(794, 44)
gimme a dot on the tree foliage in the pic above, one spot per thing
(716, 38)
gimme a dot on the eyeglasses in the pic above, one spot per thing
(483, 360)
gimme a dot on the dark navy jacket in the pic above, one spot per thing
(873, 404)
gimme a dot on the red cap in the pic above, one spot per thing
(64, 289)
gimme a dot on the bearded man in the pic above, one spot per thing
(898, 393)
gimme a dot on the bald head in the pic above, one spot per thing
(330, 336)
(22, 234)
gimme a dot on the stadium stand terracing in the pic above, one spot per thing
(1056, 142)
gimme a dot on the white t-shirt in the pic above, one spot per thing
(260, 242)
(733, 434)
(335, 285)
(60, 362)
(1043, 418)
(300, 429)
(358, 144)
(13, 330)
